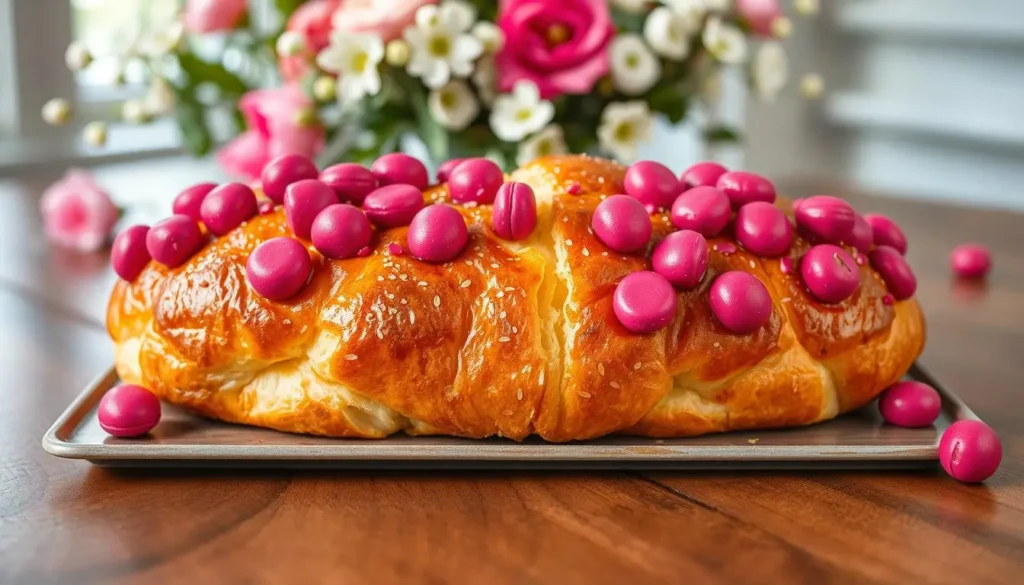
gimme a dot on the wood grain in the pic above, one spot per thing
(68, 522)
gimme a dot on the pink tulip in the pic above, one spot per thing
(759, 14)
(274, 130)
(560, 46)
(313, 21)
(203, 16)
(78, 213)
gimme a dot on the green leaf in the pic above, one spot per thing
(200, 71)
(191, 118)
(286, 7)
(668, 100)
(721, 135)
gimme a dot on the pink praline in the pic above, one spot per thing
(740, 302)
(340, 231)
(702, 209)
(128, 410)
(886, 232)
(129, 255)
(437, 234)
(651, 183)
(910, 404)
(351, 182)
(278, 268)
(475, 180)
(514, 216)
(174, 240)
(622, 223)
(227, 207)
(763, 229)
(283, 171)
(644, 302)
(190, 200)
(970, 451)
(830, 273)
(401, 169)
(702, 174)
(970, 261)
(303, 201)
(682, 258)
(742, 188)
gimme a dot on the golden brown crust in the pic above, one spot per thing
(508, 339)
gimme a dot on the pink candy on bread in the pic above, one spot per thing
(885, 232)
(303, 201)
(351, 182)
(702, 209)
(227, 207)
(910, 404)
(742, 188)
(445, 170)
(174, 240)
(278, 268)
(437, 234)
(651, 183)
(128, 410)
(129, 255)
(970, 260)
(861, 236)
(740, 302)
(895, 272)
(702, 174)
(829, 273)
(401, 169)
(970, 451)
(340, 231)
(825, 218)
(682, 258)
(763, 229)
(622, 223)
(283, 171)
(514, 216)
(393, 205)
(475, 180)
(644, 302)
(189, 201)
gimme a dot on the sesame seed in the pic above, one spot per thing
(422, 283)
(466, 283)
(636, 366)
(380, 334)
(437, 301)
(568, 242)
(787, 300)
(752, 265)
(380, 279)
(540, 380)
(504, 339)
(304, 328)
(510, 288)
(403, 276)
(495, 265)
(391, 296)
(468, 262)
(404, 302)
(522, 293)
(584, 394)
(515, 329)
(476, 248)
(586, 252)
(412, 317)
(500, 294)
(565, 220)
(519, 394)
(604, 253)
(600, 369)
(392, 310)
(508, 413)
(391, 277)
(287, 321)
(615, 385)
(502, 315)
(351, 357)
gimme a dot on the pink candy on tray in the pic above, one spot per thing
(910, 404)
(128, 411)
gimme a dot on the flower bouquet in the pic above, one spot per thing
(506, 79)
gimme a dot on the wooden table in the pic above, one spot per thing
(68, 522)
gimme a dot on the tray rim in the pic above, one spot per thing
(467, 451)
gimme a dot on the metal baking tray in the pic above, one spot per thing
(858, 440)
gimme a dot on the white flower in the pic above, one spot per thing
(782, 27)
(134, 112)
(56, 112)
(634, 6)
(726, 42)
(806, 7)
(550, 140)
(716, 5)
(440, 44)
(77, 57)
(354, 57)
(159, 98)
(692, 11)
(812, 86)
(486, 79)
(769, 71)
(518, 114)
(634, 68)
(290, 43)
(667, 31)
(489, 35)
(624, 126)
(161, 42)
(95, 134)
(453, 106)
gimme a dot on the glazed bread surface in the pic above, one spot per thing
(509, 339)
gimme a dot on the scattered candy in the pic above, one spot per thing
(476, 180)
(395, 249)
(128, 254)
(303, 201)
(128, 410)
(340, 231)
(910, 404)
(651, 183)
(364, 251)
(682, 258)
(278, 268)
(885, 232)
(189, 201)
(888, 300)
(740, 302)
(826, 218)
(970, 260)
(742, 188)
(861, 236)
(786, 265)
(351, 182)
(725, 248)
(445, 170)
(514, 216)
(227, 207)
(644, 302)
(830, 273)
(702, 209)
(895, 272)
(763, 229)
(970, 451)
(283, 171)
(437, 234)
(265, 207)
(574, 189)
(651, 208)
(393, 205)
(172, 241)
(401, 169)
(622, 223)
(702, 174)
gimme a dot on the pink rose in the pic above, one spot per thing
(561, 46)
(759, 14)
(313, 21)
(385, 18)
(203, 16)
(271, 115)
(78, 213)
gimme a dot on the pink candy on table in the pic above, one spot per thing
(437, 234)
(401, 169)
(970, 451)
(278, 268)
(740, 302)
(682, 258)
(475, 180)
(393, 205)
(830, 273)
(189, 201)
(825, 218)
(702, 174)
(445, 170)
(303, 201)
(894, 270)
(227, 207)
(763, 229)
(861, 236)
(129, 255)
(351, 182)
(340, 231)
(742, 188)
(644, 302)
(970, 260)
(173, 240)
(285, 170)
(514, 216)
(128, 410)
(910, 404)
(885, 232)
(651, 183)
(702, 209)
(622, 223)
